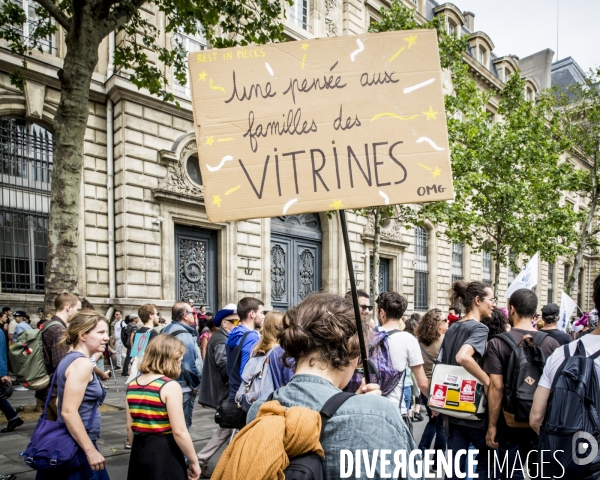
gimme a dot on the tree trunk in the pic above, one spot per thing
(376, 245)
(70, 122)
(585, 235)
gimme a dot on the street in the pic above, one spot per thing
(113, 434)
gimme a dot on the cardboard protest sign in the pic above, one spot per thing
(140, 342)
(326, 124)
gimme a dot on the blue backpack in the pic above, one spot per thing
(381, 368)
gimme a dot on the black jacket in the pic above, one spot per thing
(215, 382)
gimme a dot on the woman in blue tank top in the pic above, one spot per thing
(80, 393)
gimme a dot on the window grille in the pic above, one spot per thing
(26, 156)
(487, 268)
(457, 261)
(550, 283)
(421, 268)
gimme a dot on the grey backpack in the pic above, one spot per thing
(257, 381)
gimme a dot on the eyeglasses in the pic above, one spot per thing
(367, 307)
(189, 311)
(493, 299)
(235, 322)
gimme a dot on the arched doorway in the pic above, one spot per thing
(295, 258)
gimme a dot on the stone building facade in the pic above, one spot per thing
(144, 233)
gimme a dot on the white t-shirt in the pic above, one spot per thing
(405, 351)
(118, 327)
(11, 326)
(592, 345)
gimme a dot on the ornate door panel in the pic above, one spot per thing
(383, 283)
(196, 266)
(295, 259)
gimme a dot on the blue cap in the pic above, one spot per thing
(227, 310)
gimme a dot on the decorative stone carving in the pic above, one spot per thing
(177, 183)
(307, 273)
(391, 230)
(331, 18)
(277, 272)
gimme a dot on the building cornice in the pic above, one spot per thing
(454, 9)
(482, 74)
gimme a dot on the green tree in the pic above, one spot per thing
(399, 17)
(508, 178)
(86, 23)
(577, 110)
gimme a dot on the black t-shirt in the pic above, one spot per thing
(496, 362)
(561, 337)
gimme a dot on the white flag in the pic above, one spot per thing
(527, 278)
(567, 305)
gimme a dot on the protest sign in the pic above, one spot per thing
(140, 342)
(318, 125)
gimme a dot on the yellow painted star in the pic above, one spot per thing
(202, 76)
(210, 140)
(304, 46)
(411, 40)
(437, 172)
(336, 205)
(430, 114)
(216, 200)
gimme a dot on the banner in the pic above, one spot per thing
(319, 125)
(567, 306)
(527, 278)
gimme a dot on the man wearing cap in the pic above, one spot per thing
(550, 314)
(22, 320)
(214, 388)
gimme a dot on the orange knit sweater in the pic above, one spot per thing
(261, 450)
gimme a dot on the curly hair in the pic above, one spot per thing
(496, 324)
(428, 330)
(321, 328)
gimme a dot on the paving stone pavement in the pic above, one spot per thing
(114, 434)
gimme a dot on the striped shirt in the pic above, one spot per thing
(148, 412)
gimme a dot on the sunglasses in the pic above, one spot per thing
(367, 307)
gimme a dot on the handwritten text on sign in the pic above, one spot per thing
(326, 124)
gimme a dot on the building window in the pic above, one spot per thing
(452, 28)
(421, 268)
(48, 45)
(580, 288)
(192, 165)
(550, 283)
(530, 95)
(26, 156)
(190, 44)
(299, 13)
(510, 275)
(457, 261)
(487, 268)
(482, 58)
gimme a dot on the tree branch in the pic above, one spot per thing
(121, 14)
(56, 13)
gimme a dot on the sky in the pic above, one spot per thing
(523, 27)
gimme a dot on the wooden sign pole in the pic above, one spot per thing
(359, 325)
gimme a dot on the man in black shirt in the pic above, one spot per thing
(550, 316)
(510, 441)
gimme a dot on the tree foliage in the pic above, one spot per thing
(141, 53)
(399, 17)
(508, 178)
(576, 108)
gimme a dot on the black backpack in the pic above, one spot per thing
(124, 335)
(525, 368)
(571, 414)
(309, 466)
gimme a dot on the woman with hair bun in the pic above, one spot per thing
(464, 344)
(319, 336)
(80, 393)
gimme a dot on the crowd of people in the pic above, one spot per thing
(293, 381)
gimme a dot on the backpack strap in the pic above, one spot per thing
(539, 337)
(435, 362)
(567, 354)
(239, 352)
(331, 406)
(595, 355)
(391, 332)
(508, 339)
